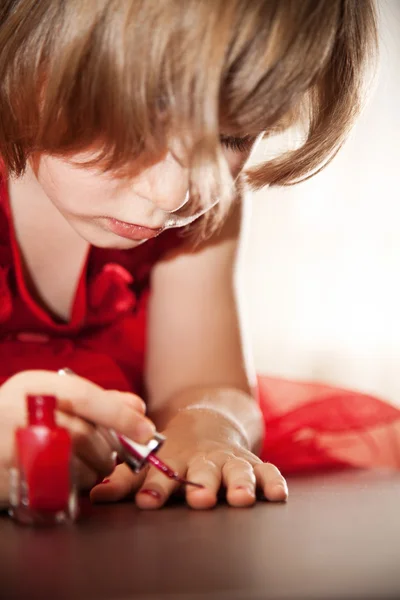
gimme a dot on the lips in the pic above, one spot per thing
(131, 231)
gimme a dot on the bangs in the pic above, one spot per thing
(129, 78)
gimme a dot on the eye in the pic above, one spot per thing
(237, 144)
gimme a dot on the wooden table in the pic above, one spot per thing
(338, 537)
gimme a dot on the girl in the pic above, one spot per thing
(122, 122)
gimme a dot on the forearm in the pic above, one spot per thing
(217, 411)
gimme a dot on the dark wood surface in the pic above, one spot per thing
(338, 537)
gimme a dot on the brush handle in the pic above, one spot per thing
(132, 453)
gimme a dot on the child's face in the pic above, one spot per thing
(104, 209)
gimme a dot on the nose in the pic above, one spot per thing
(164, 184)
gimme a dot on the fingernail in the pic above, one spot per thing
(151, 493)
(145, 431)
(105, 481)
(283, 484)
(284, 487)
(245, 489)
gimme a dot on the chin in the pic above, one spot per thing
(116, 243)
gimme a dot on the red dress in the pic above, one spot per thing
(309, 426)
(104, 340)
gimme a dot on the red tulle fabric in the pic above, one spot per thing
(312, 427)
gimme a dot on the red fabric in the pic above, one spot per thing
(312, 426)
(105, 338)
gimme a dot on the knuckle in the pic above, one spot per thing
(220, 457)
(271, 470)
(202, 462)
(238, 462)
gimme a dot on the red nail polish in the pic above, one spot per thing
(41, 486)
(152, 493)
(105, 481)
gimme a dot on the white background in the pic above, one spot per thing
(322, 268)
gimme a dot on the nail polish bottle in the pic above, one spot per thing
(41, 485)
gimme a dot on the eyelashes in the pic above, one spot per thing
(237, 144)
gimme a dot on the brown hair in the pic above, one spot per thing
(124, 76)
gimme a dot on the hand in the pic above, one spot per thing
(81, 406)
(204, 447)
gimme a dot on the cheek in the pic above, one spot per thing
(50, 183)
(54, 176)
(67, 187)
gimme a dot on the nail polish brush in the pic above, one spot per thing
(136, 455)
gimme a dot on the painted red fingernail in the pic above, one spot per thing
(106, 481)
(151, 493)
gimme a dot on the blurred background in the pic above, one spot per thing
(321, 272)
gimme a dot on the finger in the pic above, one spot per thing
(240, 482)
(207, 472)
(271, 482)
(110, 410)
(132, 399)
(70, 386)
(84, 477)
(157, 488)
(118, 410)
(89, 445)
(121, 483)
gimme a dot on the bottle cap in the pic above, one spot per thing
(41, 409)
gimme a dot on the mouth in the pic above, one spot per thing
(131, 231)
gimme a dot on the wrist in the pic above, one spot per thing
(196, 423)
(217, 412)
(212, 418)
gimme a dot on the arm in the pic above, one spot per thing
(195, 349)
